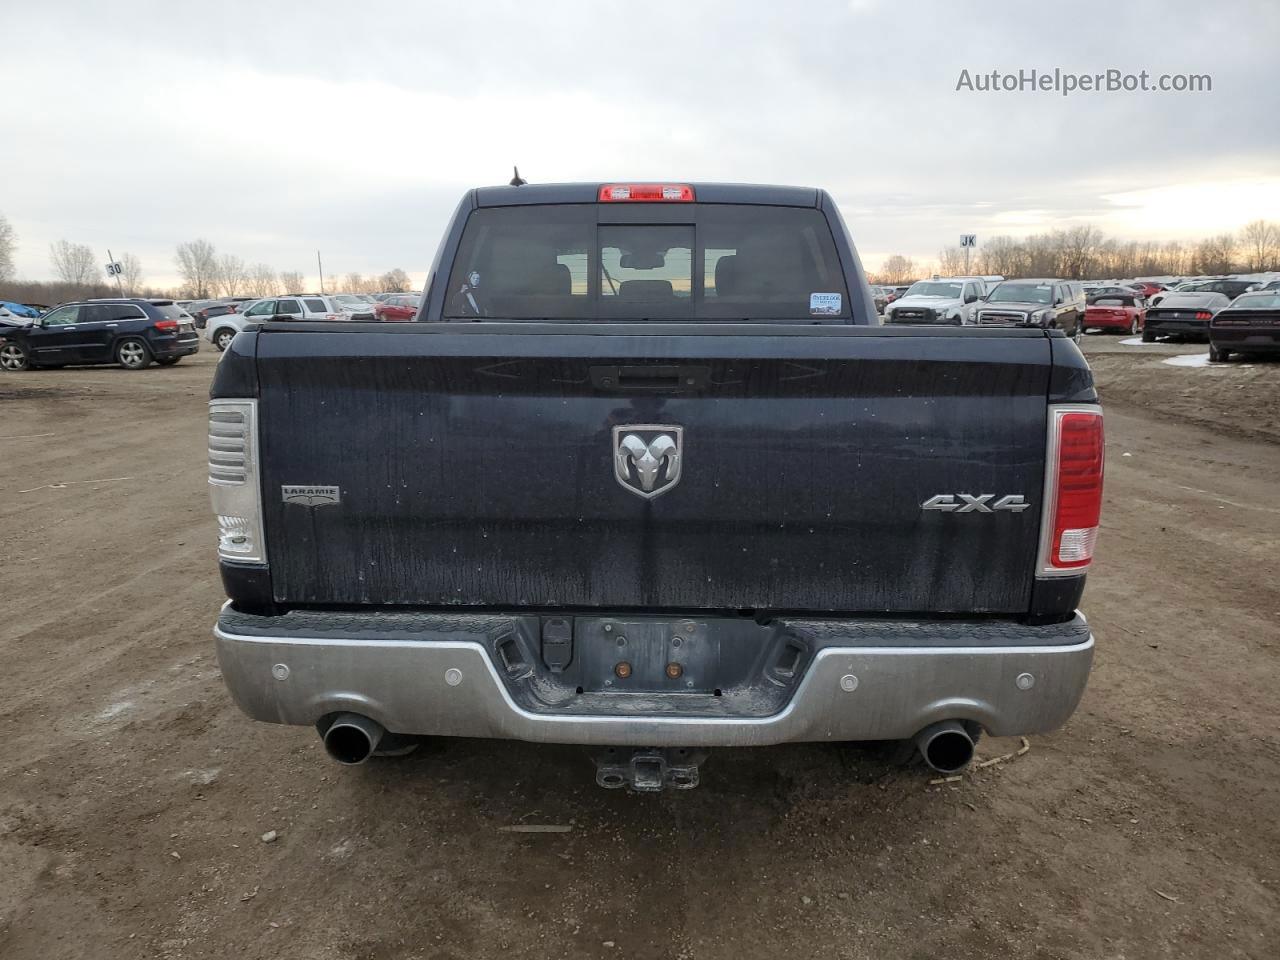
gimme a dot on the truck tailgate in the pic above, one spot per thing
(478, 464)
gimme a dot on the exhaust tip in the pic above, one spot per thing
(946, 746)
(351, 739)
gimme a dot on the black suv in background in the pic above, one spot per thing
(1051, 304)
(131, 333)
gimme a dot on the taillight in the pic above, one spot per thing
(167, 326)
(1073, 490)
(233, 479)
(646, 193)
(1204, 315)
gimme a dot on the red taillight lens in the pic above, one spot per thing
(646, 193)
(1204, 315)
(167, 326)
(1075, 485)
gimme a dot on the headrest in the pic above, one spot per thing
(646, 290)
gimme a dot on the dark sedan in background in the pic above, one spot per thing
(1250, 324)
(1094, 294)
(1183, 315)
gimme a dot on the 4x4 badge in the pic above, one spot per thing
(309, 496)
(647, 457)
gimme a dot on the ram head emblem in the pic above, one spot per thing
(647, 457)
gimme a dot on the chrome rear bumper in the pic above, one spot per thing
(451, 687)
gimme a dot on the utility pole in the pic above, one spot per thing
(320, 266)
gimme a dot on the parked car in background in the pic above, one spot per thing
(129, 332)
(1121, 312)
(222, 329)
(20, 309)
(1051, 304)
(399, 306)
(306, 306)
(358, 306)
(881, 297)
(1250, 324)
(1147, 288)
(1228, 286)
(940, 300)
(1110, 290)
(8, 319)
(202, 311)
(1185, 316)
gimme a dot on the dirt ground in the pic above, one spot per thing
(133, 795)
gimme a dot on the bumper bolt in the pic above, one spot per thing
(280, 671)
(674, 671)
(848, 683)
(622, 669)
(453, 676)
(1025, 681)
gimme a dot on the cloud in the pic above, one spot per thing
(275, 130)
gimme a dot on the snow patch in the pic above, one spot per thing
(1188, 360)
(342, 850)
(113, 711)
(1131, 342)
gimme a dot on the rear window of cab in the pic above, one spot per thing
(712, 262)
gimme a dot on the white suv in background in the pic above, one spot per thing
(938, 300)
(301, 306)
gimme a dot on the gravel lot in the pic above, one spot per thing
(134, 797)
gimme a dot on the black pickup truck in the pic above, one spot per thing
(649, 476)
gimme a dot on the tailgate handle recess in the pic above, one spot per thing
(650, 377)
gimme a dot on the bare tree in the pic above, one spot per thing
(198, 266)
(1215, 254)
(8, 243)
(73, 262)
(898, 270)
(262, 281)
(130, 274)
(291, 281)
(231, 274)
(1261, 242)
(1002, 256)
(1077, 250)
(951, 261)
(353, 283)
(395, 281)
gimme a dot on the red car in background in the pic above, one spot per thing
(1147, 288)
(400, 307)
(1127, 314)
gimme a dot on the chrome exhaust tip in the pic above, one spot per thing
(946, 746)
(351, 739)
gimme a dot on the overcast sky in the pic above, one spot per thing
(274, 129)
